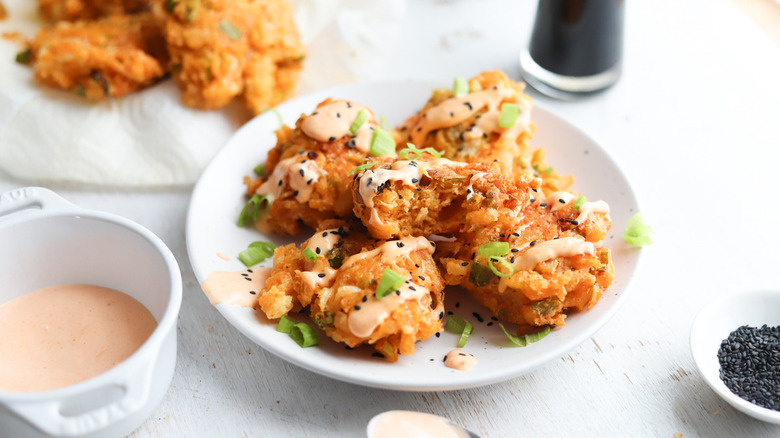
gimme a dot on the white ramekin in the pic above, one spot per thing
(45, 241)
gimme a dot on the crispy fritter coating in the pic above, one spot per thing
(221, 49)
(431, 196)
(340, 286)
(557, 264)
(109, 57)
(307, 171)
(73, 10)
(467, 128)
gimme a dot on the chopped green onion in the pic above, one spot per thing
(580, 202)
(285, 324)
(637, 231)
(362, 167)
(522, 341)
(459, 326)
(480, 274)
(304, 335)
(324, 320)
(256, 253)
(259, 170)
(460, 87)
(229, 30)
(381, 143)
(503, 262)
(170, 5)
(385, 123)
(24, 57)
(81, 91)
(509, 114)
(251, 210)
(310, 255)
(390, 282)
(361, 118)
(493, 249)
(416, 153)
(548, 171)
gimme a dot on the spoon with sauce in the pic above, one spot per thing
(392, 424)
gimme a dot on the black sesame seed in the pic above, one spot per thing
(253, 292)
(478, 316)
(512, 260)
(301, 172)
(516, 234)
(438, 334)
(574, 222)
(421, 277)
(502, 235)
(400, 244)
(338, 115)
(449, 312)
(357, 307)
(490, 323)
(515, 250)
(321, 275)
(457, 304)
(280, 183)
(441, 315)
(349, 105)
(412, 288)
(533, 199)
(468, 104)
(543, 204)
(452, 114)
(398, 292)
(295, 193)
(473, 254)
(312, 155)
(245, 275)
(365, 298)
(311, 180)
(561, 201)
(325, 234)
(432, 305)
(332, 139)
(317, 250)
(247, 279)
(533, 242)
(415, 180)
(461, 354)
(250, 271)
(445, 358)
(464, 264)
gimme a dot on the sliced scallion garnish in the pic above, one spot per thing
(381, 143)
(229, 30)
(385, 124)
(24, 57)
(503, 262)
(522, 341)
(256, 253)
(637, 231)
(416, 153)
(480, 274)
(460, 86)
(360, 119)
(285, 324)
(304, 335)
(459, 326)
(310, 255)
(259, 170)
(581, 200)
(251, 210)
(362, 167)
(548, 171)
(509, 114)
(493, 249)
(390, 282)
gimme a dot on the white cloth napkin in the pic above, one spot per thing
(148, 138)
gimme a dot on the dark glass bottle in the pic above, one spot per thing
(576, 45)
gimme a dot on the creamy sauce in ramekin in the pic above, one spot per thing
(61, 335)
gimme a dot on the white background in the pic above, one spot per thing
(695, 124)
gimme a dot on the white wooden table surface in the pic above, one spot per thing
(695, 124)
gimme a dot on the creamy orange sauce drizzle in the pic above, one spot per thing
(552, 249)
(235, 287)
(554, 200)
(314, 279)
(389, 252)
(459, 360)
(299, 172)
(458, 109)
(363, 320)
(395, 424)
(61, 335)
(332, 121)
(323, 241)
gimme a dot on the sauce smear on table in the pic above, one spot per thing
(394, 424)
(61, 335)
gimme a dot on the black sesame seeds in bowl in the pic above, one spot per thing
(735, 342)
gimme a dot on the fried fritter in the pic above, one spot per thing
(307, 171)
(73, 10)
(431, 196)
(340, 288)
(221, 49)
(553, 262)
(467, 128)
(109, 57)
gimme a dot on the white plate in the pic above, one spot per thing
(218, 199)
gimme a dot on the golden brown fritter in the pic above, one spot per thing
(431, 196)
(109, 57)
(307, 171)
(73, 10)
(221, 49)
(552, 246)
(340, 288)
(467, 128)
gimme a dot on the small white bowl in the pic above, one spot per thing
(47, 241)
(715, 322)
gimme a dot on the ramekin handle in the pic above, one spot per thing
(47, 416)
(31, 199)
